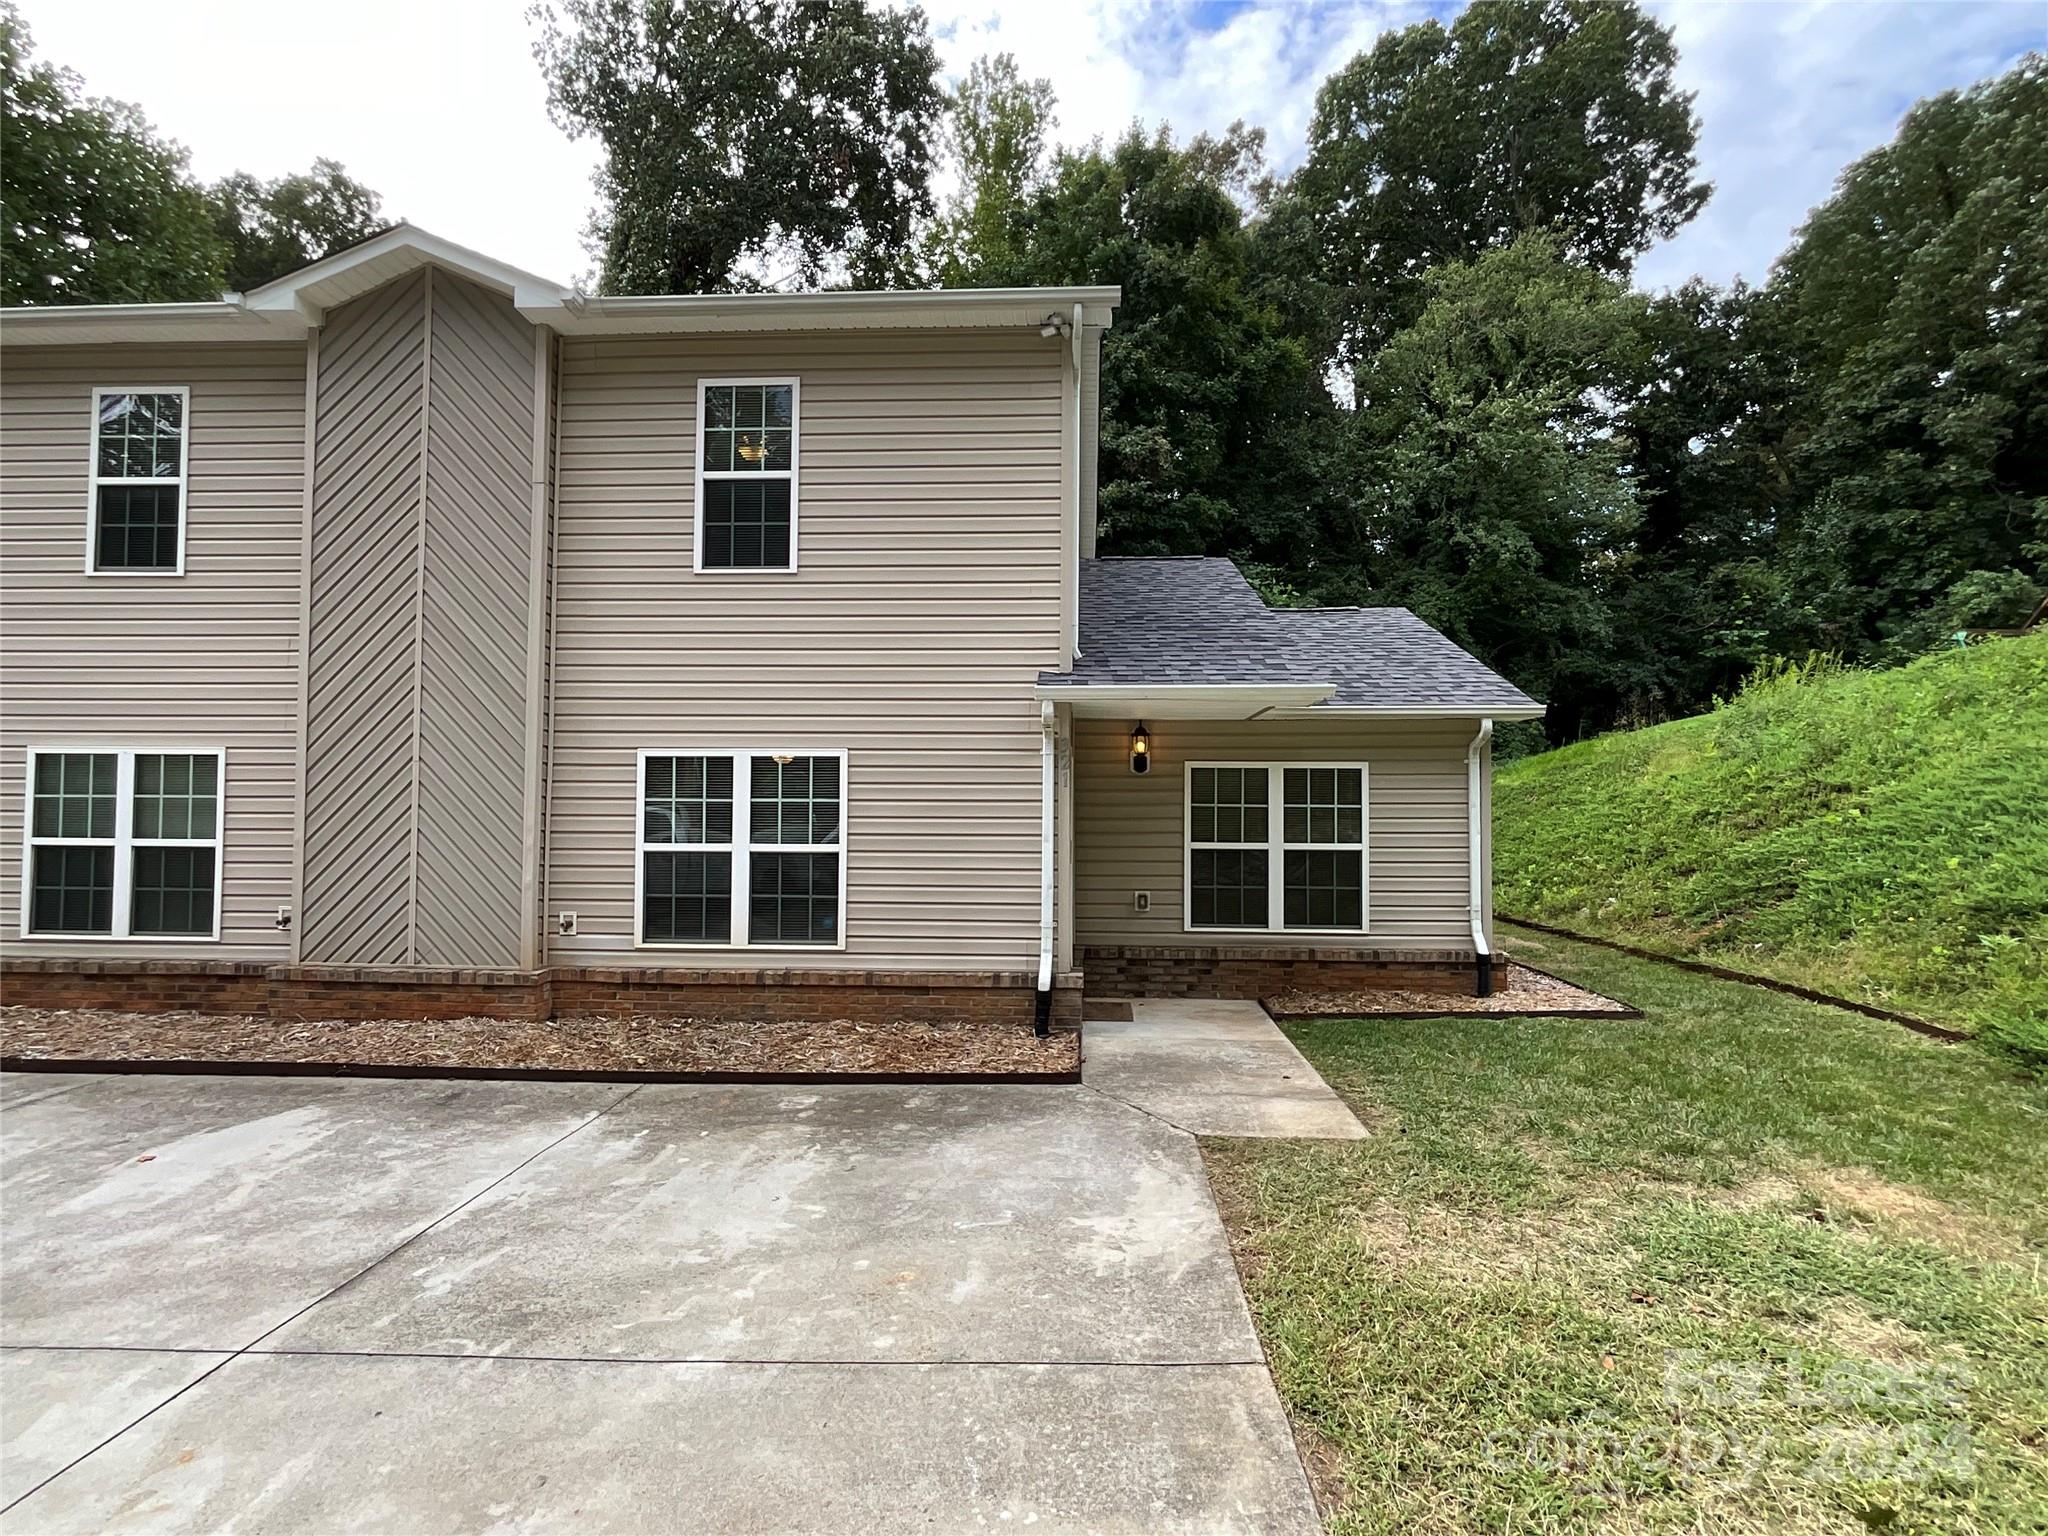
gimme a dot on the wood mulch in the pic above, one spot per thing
(1517, 989)
(571, 1044)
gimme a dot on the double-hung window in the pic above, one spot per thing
(136, 521)
(742, 849)
(123, 844)
(746, 474)
(1273, 847)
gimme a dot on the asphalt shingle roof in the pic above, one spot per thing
(1190, 619)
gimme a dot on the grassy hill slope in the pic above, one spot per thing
(1879, 835)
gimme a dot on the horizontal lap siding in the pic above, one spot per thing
(926, 603)
(1128, 829)
(209, 658)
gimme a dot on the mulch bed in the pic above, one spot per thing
(623, 1048)
(1519, 991)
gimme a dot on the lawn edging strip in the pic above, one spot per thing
(170, 1066)
(1723, 973)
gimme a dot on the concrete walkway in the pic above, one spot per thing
(1214, 1068)
(308, 1306)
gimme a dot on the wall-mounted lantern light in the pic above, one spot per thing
(1141, 749)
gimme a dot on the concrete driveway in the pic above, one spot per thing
(301, 1305)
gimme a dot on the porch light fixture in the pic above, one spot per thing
(1141, 749)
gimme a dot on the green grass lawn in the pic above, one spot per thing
(1879, 835)
(1749, 1264)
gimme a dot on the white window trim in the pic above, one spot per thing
(123, 842)
(1277, 848)
(740, 847)
(94, 481)
(796, 433)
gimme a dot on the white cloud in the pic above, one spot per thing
(439, 105)
(1789, 95)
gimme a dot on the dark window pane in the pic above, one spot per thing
(746, 524)
(795, 802)
(176, 794)
(1227, 805)
(141, 436)
(686, 898)
(793, 898)
(1227, 888)
(687, 800)
(73, 890)
(1325, 889)
(74, 794)
(138, 528)
(1323, 805)
(173, 891)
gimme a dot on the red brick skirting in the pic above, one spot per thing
(418, 992)
(1253, 973)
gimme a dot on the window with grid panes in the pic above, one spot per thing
(138, 480)
(124, 844)
(746, 494)
(1301, 824)
(742, 849)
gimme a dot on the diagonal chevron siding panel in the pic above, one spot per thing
(420, 629)
(362, 637)
(473, 655)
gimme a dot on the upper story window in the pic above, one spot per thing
(746, 474)
(742, 849)
(1277, 846)
(123, 844)
(137, 515)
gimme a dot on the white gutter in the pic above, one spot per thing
(1475, 852)
(1048, 728)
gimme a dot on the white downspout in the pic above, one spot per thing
(1048, 728)
(1474, 855)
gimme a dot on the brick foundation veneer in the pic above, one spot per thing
(394, 992)
(1241, 972)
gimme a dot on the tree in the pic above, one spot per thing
(1912, 311)
(274, 227)
(743, 135)
(1524, 115)
(996, 127)
(1495, 495)
(1210, 411)
(99, 210)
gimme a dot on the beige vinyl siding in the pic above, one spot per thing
(1129, 830)
(927, 600)
(422, 504)
(206, 659)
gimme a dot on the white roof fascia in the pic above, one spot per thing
(1417, 712)
(850, 310)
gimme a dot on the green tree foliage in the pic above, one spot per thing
(1523, 115)
(1913, 311)
(99, 210)
(745, 137)
(996, 135)
(274, 227)
(1494, 489)
(1213, 424)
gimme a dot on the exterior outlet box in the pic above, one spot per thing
(1141, 901)
(565, 922)
(284, 919)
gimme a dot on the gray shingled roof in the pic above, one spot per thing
(1189, 619)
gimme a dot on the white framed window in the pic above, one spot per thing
(1276, 847)
(122, 843)
(741, 848)
(135, 499)
(747, 451)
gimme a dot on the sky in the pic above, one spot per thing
(438, 104)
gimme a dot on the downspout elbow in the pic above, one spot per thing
(1476, 856)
